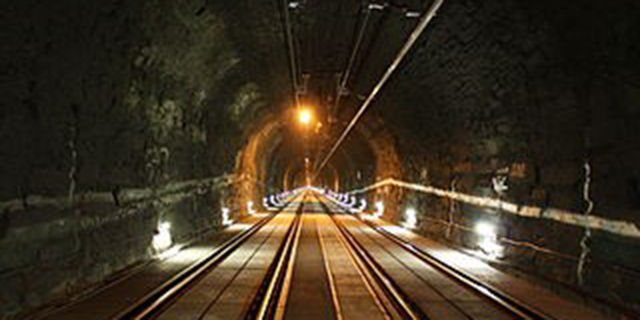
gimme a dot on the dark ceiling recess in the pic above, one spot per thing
(119, 116)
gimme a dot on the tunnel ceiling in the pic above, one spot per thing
(482, 85)
(477, 86)
(323, 39)
(486, 86)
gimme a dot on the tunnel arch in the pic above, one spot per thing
(272, 158)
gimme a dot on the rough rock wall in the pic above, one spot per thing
(118, 116)
(536, 104)
(252, 165)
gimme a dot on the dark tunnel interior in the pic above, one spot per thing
(118, 116)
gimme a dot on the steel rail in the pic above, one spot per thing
(403, 305)
(503, 300)
(413, 37)
(148, 306)
(330, 275)
(264, 304)
(376, 292)
(286, 285)
(496, 296)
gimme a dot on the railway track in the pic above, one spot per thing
(313, 260)
(271, 297)
(156, 302)
(403, 301)
(395, 304)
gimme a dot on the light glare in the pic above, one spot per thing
(379, 209)
(304, 116)
(488, 239)
(162, 240)
(250, 208)
(411, 219)
(485, 229)
(225, 217)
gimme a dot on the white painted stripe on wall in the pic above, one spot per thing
(618, 227)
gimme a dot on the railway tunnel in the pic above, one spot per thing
(320, 159)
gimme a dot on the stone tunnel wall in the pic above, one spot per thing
(252, 164)
(71, 246)
(117, 116)
(542, 248)
(536, 104)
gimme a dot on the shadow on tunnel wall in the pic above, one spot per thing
(74, 245)
(535, 103)
(533, 247)
(121, 124)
